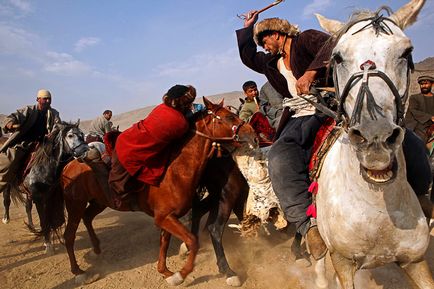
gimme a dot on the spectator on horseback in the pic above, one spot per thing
(294, 62)
(420, 113)
(251, 104)
(142, 152)
(28, 125)
(100, 126)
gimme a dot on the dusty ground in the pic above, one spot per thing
(129, 243)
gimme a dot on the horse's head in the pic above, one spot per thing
(223, 126)
(372, 62)
(72, 138)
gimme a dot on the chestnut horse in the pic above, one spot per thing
(85, 197)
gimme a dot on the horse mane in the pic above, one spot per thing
(357, 16)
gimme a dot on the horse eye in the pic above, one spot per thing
(337, 57)
(407, 53)
(70, 135)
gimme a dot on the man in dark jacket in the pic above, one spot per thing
(28, 125)
(420, 113)
(295, 61)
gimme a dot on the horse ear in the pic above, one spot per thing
(242, 100)
(207, 103)
(329, 25)
(407, 14)
(222, 102)
(77, 124)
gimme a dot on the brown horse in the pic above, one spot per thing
(167, 202)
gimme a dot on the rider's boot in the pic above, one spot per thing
(315, 243)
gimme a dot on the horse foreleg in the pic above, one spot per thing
(420, 274)
(6, 204)
(173, 226)
(216, 224)
(345, 270)
(29, 205)
(89, 214)
(45, 228)
(164, 245)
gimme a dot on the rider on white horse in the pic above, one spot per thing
(295, 61)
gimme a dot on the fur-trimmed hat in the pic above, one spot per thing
(43, 93)
(273, 24)
(425, 77)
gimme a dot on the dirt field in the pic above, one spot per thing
(129, 243)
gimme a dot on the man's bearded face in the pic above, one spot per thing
(425, 86)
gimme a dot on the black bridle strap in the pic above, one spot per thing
(357, 77)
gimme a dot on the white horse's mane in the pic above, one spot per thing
(358, 15)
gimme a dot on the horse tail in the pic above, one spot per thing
(51, 209)
(16, 194)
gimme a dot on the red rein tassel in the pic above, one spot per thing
(311, 211)
(313, 188)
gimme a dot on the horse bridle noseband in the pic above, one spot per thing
(369, 70)
(235, 130)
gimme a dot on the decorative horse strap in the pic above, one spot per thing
(324, 140)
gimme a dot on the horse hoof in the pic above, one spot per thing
(49, 249)
(321, 283)
(5, 220)
(183, 250)
(303, 262)
(83, 279)
(233, 281)
(175, 280)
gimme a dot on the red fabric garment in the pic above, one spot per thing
(144, 149)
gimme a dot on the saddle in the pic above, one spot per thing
(101, 167)
(325, 138)
(122, 202)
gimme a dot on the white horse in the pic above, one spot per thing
(368, 215)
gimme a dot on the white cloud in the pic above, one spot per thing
(15, 8)
(315, 7)
(86, 42)
(22, 5)
(65, 64)
(197, 64)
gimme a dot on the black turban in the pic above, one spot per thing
(177, 91)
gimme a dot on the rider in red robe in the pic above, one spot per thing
(142, 151)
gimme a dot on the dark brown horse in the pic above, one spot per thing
(228, 191)
(85, 197)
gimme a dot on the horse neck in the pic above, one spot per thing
(191, 160)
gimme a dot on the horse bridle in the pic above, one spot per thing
(235, 130)
(74, 148)
(369, 70)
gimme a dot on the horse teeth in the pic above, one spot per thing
(390, 174)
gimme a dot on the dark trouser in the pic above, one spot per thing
(417, 163)
(288, 162)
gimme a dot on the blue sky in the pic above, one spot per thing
(124, 55)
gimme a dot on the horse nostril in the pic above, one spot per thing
(392, 139)
(356, 136)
